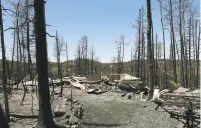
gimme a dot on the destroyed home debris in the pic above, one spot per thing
(181, 104)
(70, 112)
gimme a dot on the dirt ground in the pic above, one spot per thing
(102, 111)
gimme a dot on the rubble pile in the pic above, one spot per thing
(126, 86)
(182, 104)
(70, 113)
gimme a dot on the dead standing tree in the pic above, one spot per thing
(119, 70)
(139, 44)
(3, 121)
(58, 50)
(149, 49)
(92, 59)
(173, 42)
(4, 66)
(67, 60)
(120, 54)
(163, 30)
(143, 51)
(123, 49)
(30, 66)
(78, 60)
(198, 58)
(45, 119)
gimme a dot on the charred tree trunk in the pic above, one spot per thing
(45, 119)
(163, 30)
(67, 59)
(198, 58)
(182, 43)
(28, 42)
(139, 44)
(173, 42)
(4, 67)
(13, 52)
(189, 52)
(3, 121)
(92, 60)
(149, 48)
(143, 46)
(131, 63)
(122, 60)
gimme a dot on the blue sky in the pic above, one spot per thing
(103, 21)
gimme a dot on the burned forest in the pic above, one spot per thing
(76, 64)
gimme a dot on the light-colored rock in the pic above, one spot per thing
(73, 120)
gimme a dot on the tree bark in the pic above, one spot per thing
(149, 48)
(189, 52)
(3, 121)
(173, 42)
(4, 67)
(181, 43)
(163, 30)
(139, 44)
(45, 119)
(28, 42)
(198, 58)
(67, 59)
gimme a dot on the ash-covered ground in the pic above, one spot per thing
(107, 110)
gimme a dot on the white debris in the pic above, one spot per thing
(195, 91)
(181, 90)
(78, 85)
(156, 94)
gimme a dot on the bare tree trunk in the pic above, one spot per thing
(18, 46)
(156, 61)
(173, 42)
(189, 52)
(163, 30)
(131, 63)
(153, 52)
(4, 67)
(181, 43)
(139, 43)
(3, 121)
(67, 59)
(149, 48)
(79, 61)
(92, 60)
(198, 58)
(122, 61)
(185, 49)
(45, 119)
(194, 49)
(28, 42)
(22, 74)
(13, 52)
(143, 47)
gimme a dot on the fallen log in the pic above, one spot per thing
(20, 115)
(181, 95)
(182, 104)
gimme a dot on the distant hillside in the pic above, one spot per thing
(99, 68)
(106, 67)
